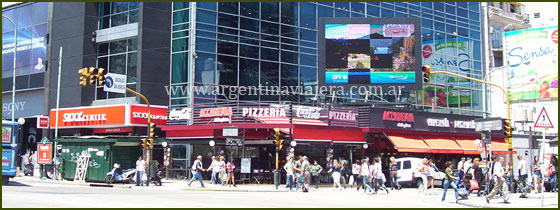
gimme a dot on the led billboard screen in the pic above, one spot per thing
(369, 52)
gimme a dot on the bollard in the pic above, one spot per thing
(276, 179)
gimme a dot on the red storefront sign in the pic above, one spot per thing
(398, 116)
(44, 153)
(42, 122)
(139, 115)
(112, 116)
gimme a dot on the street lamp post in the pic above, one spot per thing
(14, 74)
(485, 78)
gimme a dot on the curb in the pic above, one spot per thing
(230, 190)
(78, 184)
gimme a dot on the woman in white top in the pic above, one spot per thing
(366, 174)
(289, 167)
(423, 169)
(431, 175)
(378, 175)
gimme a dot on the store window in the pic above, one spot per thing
(118, 57)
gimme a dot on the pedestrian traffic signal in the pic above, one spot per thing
(151, 129)
(83, 72)
(144, 143)
(506, 124)
(426, 70)
(101, 72)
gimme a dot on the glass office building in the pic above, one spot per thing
(254, 44)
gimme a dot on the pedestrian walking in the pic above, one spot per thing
(366, 175)
(423, 170)
(431, 175)
(140, 169)
(449, 181)
(537, 175)
(214, 167)
(316, 170)
(553, 168)
(222, 173)
(523, 170)
(289, 168)
(343, 173)
(393, 172)
(298, 172)
(355, 173)
(230, 168)
(478, 176)
(460, 172)
(335, 169)
(499, 175)
(378, 175)
(197, 171)
(306, 169)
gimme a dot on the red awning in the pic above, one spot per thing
(469, 148)
(442, 144)
(499, 146)
(408, 143)
(348, 136)
(320, 135)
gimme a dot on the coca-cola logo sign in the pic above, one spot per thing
(308, 112)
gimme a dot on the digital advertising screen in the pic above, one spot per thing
(370, 52)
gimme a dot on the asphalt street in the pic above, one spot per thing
(23, 192)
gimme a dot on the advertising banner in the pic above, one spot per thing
(6, 135)
(357, 52)
(532, 57)
(442, 55)
(31, 39)
(44, 153)
(108, 116)
(7, 159)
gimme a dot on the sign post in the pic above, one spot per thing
(44, 155)
(543, 121)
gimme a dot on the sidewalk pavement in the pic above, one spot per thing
(533, 201)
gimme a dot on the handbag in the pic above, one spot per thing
(474, 184)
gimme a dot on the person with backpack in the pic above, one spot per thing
(197, 171)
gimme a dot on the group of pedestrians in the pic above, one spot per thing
(222, 173)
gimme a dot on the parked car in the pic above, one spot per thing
(408, 174)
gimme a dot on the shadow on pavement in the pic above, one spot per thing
(17, 184)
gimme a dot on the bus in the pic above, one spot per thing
(9, 150)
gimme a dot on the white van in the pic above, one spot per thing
(408, 172)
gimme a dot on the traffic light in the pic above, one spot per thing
(151, 143)
(92, 74)
(426, 74)
(144, 143)
(151, 129)
(506, 124)
(277, 141)
(83, 72)
(101, 72)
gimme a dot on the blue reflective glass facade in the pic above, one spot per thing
(275, 44)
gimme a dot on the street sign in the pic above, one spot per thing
(543, 121)
(234, 142)
(115, 83)
(230, 131)
(44, 154)
(488, 124)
